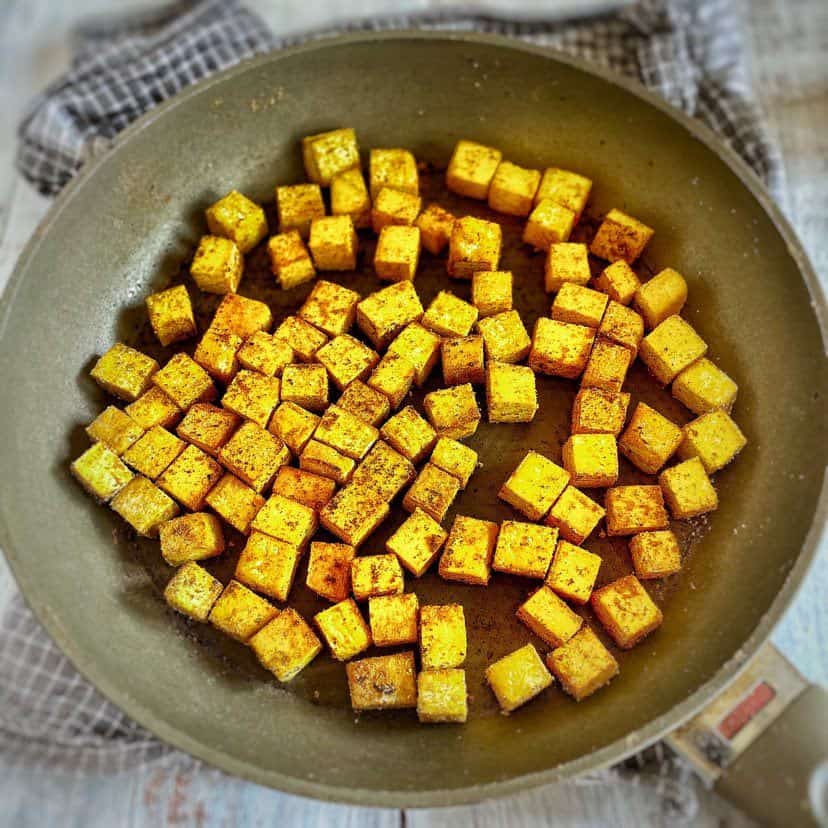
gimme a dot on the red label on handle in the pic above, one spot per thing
(748, 707)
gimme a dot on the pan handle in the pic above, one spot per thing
(763, 744)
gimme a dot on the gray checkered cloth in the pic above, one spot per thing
(688, 52)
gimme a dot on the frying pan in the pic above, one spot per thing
(130, 220)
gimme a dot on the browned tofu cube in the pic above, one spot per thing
(549, 223)
(442, 636)
(286, 520)
(575, 515)
(626, 611)
(298, 205)
(385, 471)
(650, 439)
(467, 556)
(435, 225)
(349, 197)
(463, 360)
(268, 565)
(185, 382)
(394, 168)
(397, 254)
(293, 426)
(333, 243)
(394, 207)
(573, 572)
(566, 262)
(607, 366)
(306, 386)
(154, 407)
(190, 477)
(353, 513)
(518, 677)
(596, 411)
(208, 427)
(254, 455)
(124, 372)
(312, 490)
(344, 630)
(329, 570)
(153, 452)
(703, 387)
(373, 575)
(171, 315)
(492, 292)
(143, 506)
(286, 645)
(688, 490)
(458, 460)
(655, 554)
(582, 665)
(714, 438)
(471, 169)
(252, 396)
(115, 429)
(241, 316)
(623, 326)
(238, 218)
(662, 296)
(433, 491)
(330, 307)
(345, 432)
(671, 347)
(346, 359)
(634, 509)
(475, 244)
(619, 282)
(217, 353)
(511, 394)
(370, 405)
(192, 591)
(383, 314)
(560, 349)
(534, 485)
(328, 154)
(591, 460)
(524, 549)
(420, 347)
(512, 189)
(383, 683)
(289, 260)
(579, 305)
(620, 237)
(453, 412)
(564, 187)
(549, 618)
(101, 472)
(393, 378)
(417, 542)
(505, 337)
(235, 502)
(448, 315)
(326, 461)
(442, 696)
(409, 434)
(393, 619)
(217, 265)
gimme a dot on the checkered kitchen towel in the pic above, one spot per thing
(688, 51)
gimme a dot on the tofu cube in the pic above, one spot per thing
(458, 460)
(670, 347)
(471, 169)
(575, 515)
(468, 552)
(353, 513)
(560, 349)
(661, 297)
(344, 630)
(442, 696)
(512, 189)
(620, 237)
(369, 404)
(115, 429)
(634, 509)
(326, 461)
(398, 253)
(566, 262)
(442, 637)
(298, 205)
(217, 353)
(217, 265)
(349, 197)
(383, 314)
(626, 611)
(171, 315)
(347, 359)
(192, 537)
(704, 387)
(435, 225)
(153, 452)
(607, 366)
(492, 292)
(345, 432)
(524, 549)
(333, 243)
(384, 471)
(241, 316)
(394, 168)
(573, 572)
(329, 570)
(290, 260)
(143, 506)
(420, 347)
(453, 412)
(185, 381)
(582, 665)
(328, 154)
(511, 395)
(124, 372)
(268, 565)
(293, 426)
(549, 223)
(286, 520)
(154, 407)
(463, 360)
(650, 439)
(330, 307)
(417, 542)
(101, 472)
(534, 485)
(688, 490)
(190, 477)
(254, 455)
(235, 502)
(623, 326)
(238, 218)
(394, 207)
(714, 438)
(596, 411)
(619, 281)
(301, 336)
(505, 337)
(373, 575)
(564, 187)
(393, 619)
(192, 591)
(286, 645)
(306, 386)
(304, 487)
(265, 353)
(579, 305)
(252, 396)
(393, 378)
(475, 244)
(518, 677)
(382, 683)
(655, 554)
(433, 491)
(591, 460)
(448, 315)
(409, 434)
(549, 618)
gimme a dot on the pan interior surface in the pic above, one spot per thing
(125, 230)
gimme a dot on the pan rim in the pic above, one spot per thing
(603, 757)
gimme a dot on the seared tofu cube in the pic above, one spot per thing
(185, 381)
(393, 619)
(124, 372)
(349, 197)
(330, 307)
(252, 396)
(688, 490)
(573, 572)
(623, 326)
(154, 407)
(238, 218)
(650, 439)
(353, 513)
(492, 292)
(373, 575)
(655, 554)
(217, 265)
(344, 630)
(596, 411)
(549, 618)
(511, 395)
(435, 225)
(241, 316)
(559, 348)
(298, 205)
(433, 491)
(575, 515)
(101, 472)
(564, 187)
(579, 305)
(254, 455)
(369, 404)
(293, 426)
(442, 696)
(672, 346)
(448, 315)
(505, 337)
(534, 485)
(217, 353)
(268, 565)
(420, 347)
(286, 520)
(115, 429)
(333, 243)
(661, 297)
(383, 683)
(463, 360)
(417, 542)
(518, 677)
(143, 505)
(345, 432)
(475, 244)
(286, 645)
(394, 207)
(346, 359)
(394, 168)
(620, 237)
(153, 452)
(409, 434)
(471, 169)
(453, 411)
(607, 366)
(328, 154)
(304, 487)
(704, 387)
(289, 260)
(566, 262)
(512, 189)
(468, 552)
(442, 636)
(235, 502)
(171, 315)
(634, 509)
(549, 223)
(384, 471)
(393, 378)
(326, 461)
(265, 353)
(383, 314)
(329, 570)
(397, 254)
(582, 665)
(524, 549)
(306, 386)
(619, 281)
(458, 460)
(192, 591)
(626, 611)
(714, 438)
(304, 338)
(190, 477)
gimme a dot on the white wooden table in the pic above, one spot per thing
(787, 46)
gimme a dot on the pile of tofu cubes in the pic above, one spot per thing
(280, 432)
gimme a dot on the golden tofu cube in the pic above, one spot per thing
(420, 347)
(573, 572)
(344, 630)
(254, 455)
(560, 349)
(549, 618)
(409, 434)
(435, 225)
(471, 169)
(346, 359)
(298, 205)
(171, 315)
(192, 537)
(143, 505)
(442, 696)
(661, 297)
(330, 307)
(458, 460)
(286, 645)
(688, 490)
(596, 411)
(505, 337)
(208, 427)
(393, 619)
(655, 554)
(511, 394)
(265, 353)
(468, 552)
(345, 432)
(328, 154)
(304, 487)
(383, 314)
(626, 611)
(549, 223)
(333, 243)
(235, 502)
(373, 575)
(190, 477)
(353, 513)
(670, 347)
(620, 237)
(575, 515)
(518, 677)
(512, 189)
(252, 396)
(607, 366)
(619, 281)
(385, 471)
(286, 520)
(442, 637)
(453, 412)
(566, 262)
(393, 378)
(304, 338)
(463, 360)
(564, 187)
(534, 485)
(383, 683)
(394, 207)
(124, 372)
(579, 305)
(714, 438)
(475, 244)
(192, 591)
(349, 197)
(394, 168)
(372, 406)
(115, 429)
(153, 452)
(650, 439)
(623, 326)
(433, 491)
(241, 316)
(289, 260)
(217, 353)
(101, 472)
(417, 542)
(492, 292)
(293, 426)
(524, 549)
(217, 265)
(329, 570)
(326, 461)
(582, 665)
(238, 218)
(704, 387)
(154, 407)
(449, 315)
(306, 386)
(185, 381)
(634, 509)
(397, 254)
